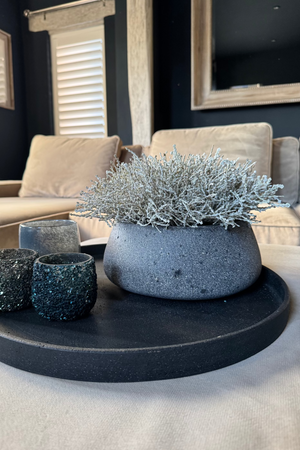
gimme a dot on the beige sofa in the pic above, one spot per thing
(56, 196)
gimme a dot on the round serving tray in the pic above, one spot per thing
(129, 337)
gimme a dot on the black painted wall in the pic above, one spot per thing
(123, 108)
(172, 81)
(13, 134)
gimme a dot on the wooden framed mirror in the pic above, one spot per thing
(205, 93)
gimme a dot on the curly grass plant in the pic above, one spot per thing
(180, 191)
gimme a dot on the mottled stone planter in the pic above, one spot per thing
(64, 285)
(15, 278)
(182, 263)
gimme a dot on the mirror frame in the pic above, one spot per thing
(10, 100)
(202, 95)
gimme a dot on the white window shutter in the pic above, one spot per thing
(79, 88)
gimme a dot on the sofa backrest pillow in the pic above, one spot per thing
(251, 141)
(59, 166)
(285, 167)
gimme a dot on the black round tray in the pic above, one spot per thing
(130, 337)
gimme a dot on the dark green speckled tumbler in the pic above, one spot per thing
(64, 285)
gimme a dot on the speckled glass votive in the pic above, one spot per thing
(50, 236)
(64, 285)
(16, 267)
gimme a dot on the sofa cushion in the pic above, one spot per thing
(246, 141)
(277, 226)
(16, 209)
(285, 167)
(58, 166)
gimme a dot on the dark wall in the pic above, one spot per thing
(38, 83)
(13, 148)
(38, 73)
(123, 108)
(172, 81)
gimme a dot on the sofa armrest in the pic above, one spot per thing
(10, 188)
(126, 156)
(137, 149)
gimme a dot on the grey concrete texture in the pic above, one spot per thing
(182, 263)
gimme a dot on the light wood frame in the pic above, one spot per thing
(10, 101)
(140, 69)
(202, 95)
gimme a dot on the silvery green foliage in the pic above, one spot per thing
(181, 191)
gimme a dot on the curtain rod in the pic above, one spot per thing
(28, 13)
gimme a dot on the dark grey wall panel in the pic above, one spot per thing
(13, 134)
(123, 108)
(111, 81)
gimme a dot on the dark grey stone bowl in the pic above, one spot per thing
(182, 263)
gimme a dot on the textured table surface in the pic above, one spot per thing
(253, 404)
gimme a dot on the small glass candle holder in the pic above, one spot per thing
(50, 236)
(64, 285)
(16, 266)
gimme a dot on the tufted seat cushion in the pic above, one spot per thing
(279, 226)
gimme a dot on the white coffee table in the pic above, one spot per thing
(254, 404)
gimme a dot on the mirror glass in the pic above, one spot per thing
(255, 43)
